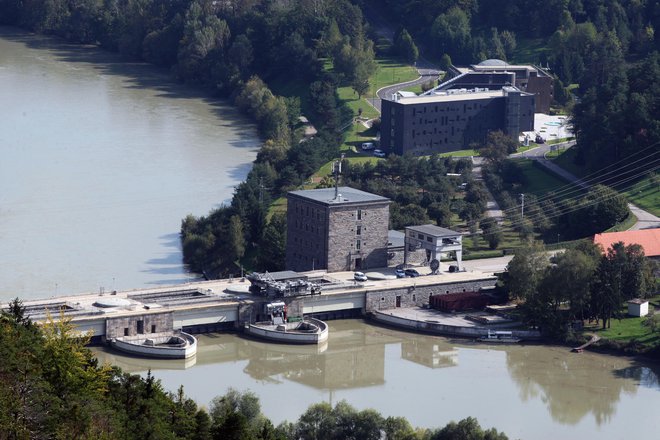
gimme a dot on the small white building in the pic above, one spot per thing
(435, 240)
(638, 307)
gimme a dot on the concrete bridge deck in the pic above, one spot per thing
(208, 303)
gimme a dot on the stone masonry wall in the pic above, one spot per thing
(417, 296)
(128, 326)
(415, 257)
(343, 225)
(306, 235)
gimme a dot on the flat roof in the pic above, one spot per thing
(456, 96)
(505, 67)
(433, 230)
(347, 195)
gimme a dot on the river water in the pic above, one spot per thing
(527, 391)
(100, 160)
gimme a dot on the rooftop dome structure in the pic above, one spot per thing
(492, 62)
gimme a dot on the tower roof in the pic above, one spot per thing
(347, 195)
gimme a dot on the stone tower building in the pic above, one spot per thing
(336, 230)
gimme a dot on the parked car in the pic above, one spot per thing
(400, 273)
(359, 276)
(368, 146)
(379, 153)
(411, 273)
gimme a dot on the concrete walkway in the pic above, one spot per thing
(492, 207)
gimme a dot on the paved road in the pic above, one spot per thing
(427, 70)
(645, 220)
(387, 91)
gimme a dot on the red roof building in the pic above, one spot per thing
(649, 239)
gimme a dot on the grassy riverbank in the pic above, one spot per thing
(628, 334)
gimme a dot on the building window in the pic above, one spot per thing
(358, 244)
(358, 230)
(420, 236)
(359, 214)
(429, 239)
(153, 328)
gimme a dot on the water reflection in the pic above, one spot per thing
(365, 364)
(646, 376)
(431, 353)
(570, 385)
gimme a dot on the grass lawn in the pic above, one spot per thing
(539, 181)
(566, 160)
(628, 328)
(388, 71)
(560, 140)
(646, 194)
(460, 153)
(529, 50)
(626, 224)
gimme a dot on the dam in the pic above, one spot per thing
(229, 304)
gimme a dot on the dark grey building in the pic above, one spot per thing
(530, 79)
(451, 120)
(494, 74)
(337, 232)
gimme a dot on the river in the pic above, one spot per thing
(527, 391)
(101, 159)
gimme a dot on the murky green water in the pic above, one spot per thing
(530, 392)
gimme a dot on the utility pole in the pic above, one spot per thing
(522, 207)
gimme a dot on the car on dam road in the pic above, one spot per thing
(411, 273)
(359, 276)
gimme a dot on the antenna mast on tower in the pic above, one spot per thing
(337, 170)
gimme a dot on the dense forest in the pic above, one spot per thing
(602, 52)
(608, 49)
(52, 387)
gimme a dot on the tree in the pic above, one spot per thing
(445, 62)
(466, 429)
(202, 33)
(405, 47)
(236, 238)
(525, 271)
(316, 423)
(491, 232)
(272, 251)
(451, 34)
(508, 40)
(498, 147)
(236, 415)
(441, 213)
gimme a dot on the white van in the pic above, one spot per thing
(368, 146)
